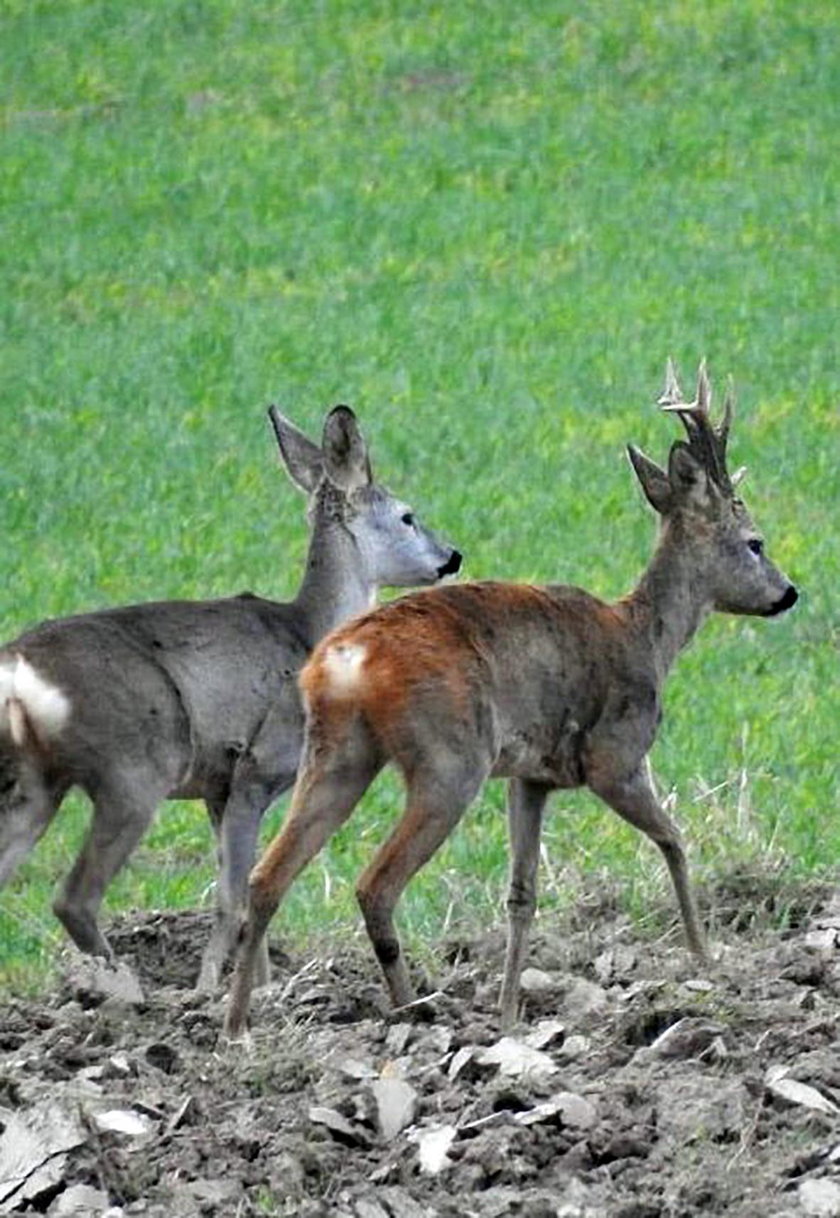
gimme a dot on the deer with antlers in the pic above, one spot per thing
(546, 686)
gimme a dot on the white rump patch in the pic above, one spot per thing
(45, 704)
(343, 663)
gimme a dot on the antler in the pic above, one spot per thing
(705, 441)
(671, 394)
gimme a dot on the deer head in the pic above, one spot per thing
(392, 548)
(703, 515)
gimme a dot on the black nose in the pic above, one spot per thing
(791, 596)
(452, 565)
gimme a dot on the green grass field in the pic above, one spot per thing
(485, 226)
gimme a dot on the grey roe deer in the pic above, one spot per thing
(195, 699)
(547, 686)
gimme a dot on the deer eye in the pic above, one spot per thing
(755, 545)
(407, 518)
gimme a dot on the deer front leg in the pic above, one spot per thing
(264, 770)
(635, 799)
(211, 964)
(237, 826)
(526, 802)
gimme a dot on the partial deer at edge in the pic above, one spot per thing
(195, 699)
(547, 686)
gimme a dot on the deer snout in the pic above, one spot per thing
(452, 565)
(786, 601)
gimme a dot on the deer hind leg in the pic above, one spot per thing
(433, 808)
(121, 816)
(635, 799)
(26, 809)
(526, 802)
(329, 786)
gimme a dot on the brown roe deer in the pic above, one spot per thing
(195, 699)
(547, 686)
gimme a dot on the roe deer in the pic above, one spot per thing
(195, 699)
(547, 686)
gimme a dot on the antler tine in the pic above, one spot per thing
(728, 411)
(703, 396)
(672, 400)
(695, 415)
(671, 395)
(699, 408)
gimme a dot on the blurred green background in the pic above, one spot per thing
(485, 226)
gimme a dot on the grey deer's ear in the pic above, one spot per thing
(346, 458)
(654, 480)
(303, 460)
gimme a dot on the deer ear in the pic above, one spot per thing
(303, 460)
(345, 451)
(688, 478)
(653, 478)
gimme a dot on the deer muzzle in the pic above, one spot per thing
(786, 601)
(452, 565)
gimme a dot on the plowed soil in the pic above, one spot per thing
(635, 1085)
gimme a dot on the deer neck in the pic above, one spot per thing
(336, 585)
(670, 601)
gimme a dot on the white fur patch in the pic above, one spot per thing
(343, 663)
(46, 705)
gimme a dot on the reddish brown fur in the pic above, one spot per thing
(437, 636)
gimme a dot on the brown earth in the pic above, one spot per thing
(635, 1086)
